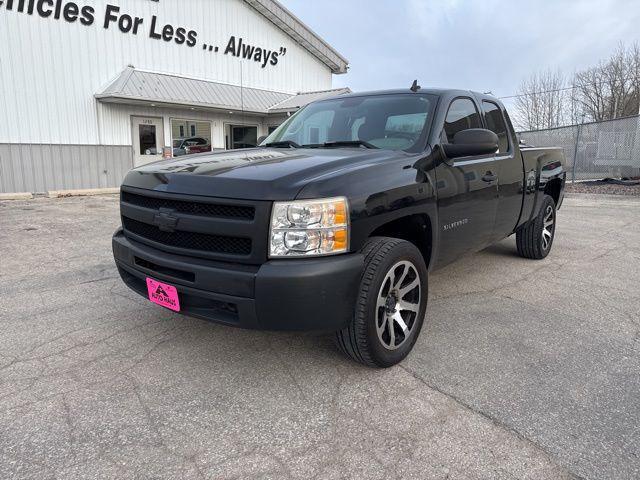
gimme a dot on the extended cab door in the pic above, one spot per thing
(509, 168)
(467, 189)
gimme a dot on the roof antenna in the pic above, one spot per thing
(415, 87)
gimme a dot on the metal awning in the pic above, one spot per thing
(140, 87)
(162, 89)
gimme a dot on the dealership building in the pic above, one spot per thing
(90, 89)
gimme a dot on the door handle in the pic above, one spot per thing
(489, 177)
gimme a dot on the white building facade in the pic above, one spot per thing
(90, 89)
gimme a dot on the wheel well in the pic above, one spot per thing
(553, 188)
(413, 228)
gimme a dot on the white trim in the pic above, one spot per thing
(304, 36)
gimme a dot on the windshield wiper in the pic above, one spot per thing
(347, 143)
(283, 143)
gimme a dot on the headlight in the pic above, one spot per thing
(309, 227)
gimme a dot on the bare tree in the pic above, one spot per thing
(611, 89)
(540, 103)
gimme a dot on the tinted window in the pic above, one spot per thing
(462, 115)
(495, 123)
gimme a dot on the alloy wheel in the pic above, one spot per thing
(398, 304)
(547, 227)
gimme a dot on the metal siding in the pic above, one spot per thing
(38, 168)
(50, 69)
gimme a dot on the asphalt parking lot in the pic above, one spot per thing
(524, 369)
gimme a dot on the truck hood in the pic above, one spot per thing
(253, 174)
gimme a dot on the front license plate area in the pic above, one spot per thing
(163, 294)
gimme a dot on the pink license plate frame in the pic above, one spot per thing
(163, 294)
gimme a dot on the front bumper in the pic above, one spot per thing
(298, 294)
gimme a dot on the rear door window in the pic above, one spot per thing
(462, 115)
(495, 123)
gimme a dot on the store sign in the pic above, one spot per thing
(154, 28)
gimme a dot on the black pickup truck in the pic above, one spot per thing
(334, 221)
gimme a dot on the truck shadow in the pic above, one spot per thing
(502, 249)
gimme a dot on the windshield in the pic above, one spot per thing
(177, 143)
(391, 122)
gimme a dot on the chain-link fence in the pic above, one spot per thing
(595, 150)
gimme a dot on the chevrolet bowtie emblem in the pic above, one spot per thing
(165, 221)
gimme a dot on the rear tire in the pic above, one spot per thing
(534, 240)
(390, 306)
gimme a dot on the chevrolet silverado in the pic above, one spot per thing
(335, 220)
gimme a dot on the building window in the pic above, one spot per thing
(190, 136)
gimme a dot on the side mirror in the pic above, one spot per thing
(470, 142)
(261, 139)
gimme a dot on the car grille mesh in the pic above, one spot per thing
(190, 207)
(189, 240)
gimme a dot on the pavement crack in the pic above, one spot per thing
(68, 417)
(103, 279)
(491, 419)
(154, 346)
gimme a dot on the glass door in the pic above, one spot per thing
(243, 137)
(148, 140)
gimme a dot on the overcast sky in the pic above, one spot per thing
(488, 45)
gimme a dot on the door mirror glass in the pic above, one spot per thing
(471, 142)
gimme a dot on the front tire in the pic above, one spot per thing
(534, 240)
(390, 306)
